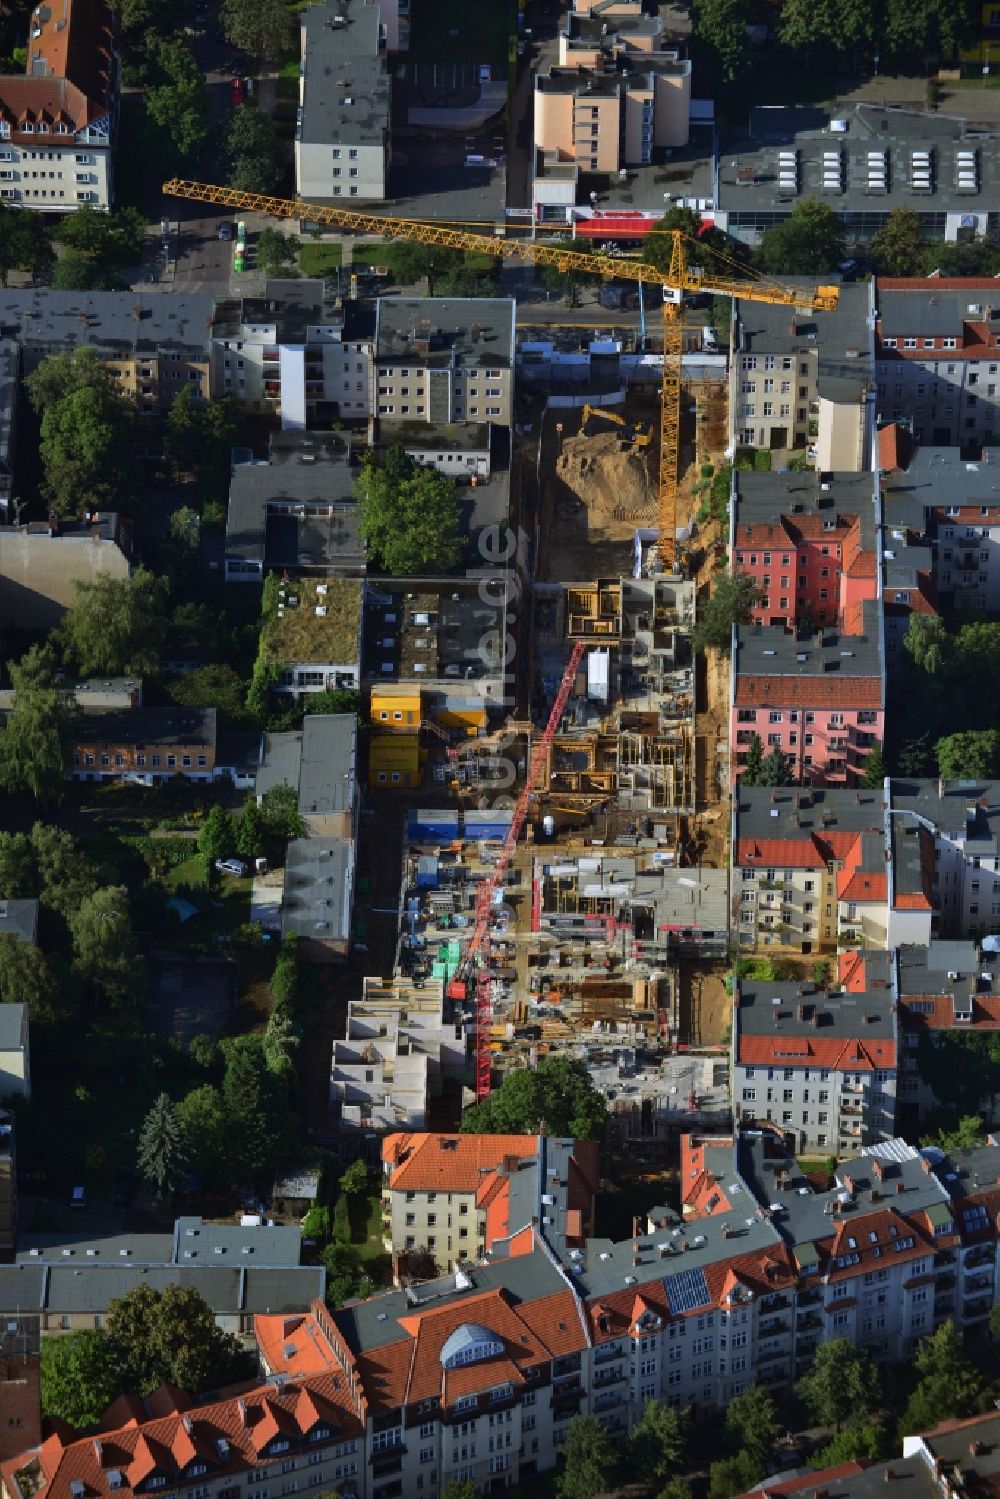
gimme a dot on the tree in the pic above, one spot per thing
(832, 25)
(733, 1475)
(115, 239)
(86, 433)
(809, 242)
(464, 1490)
(175, 96)
(750, 775)
(34, 742)
(842, 1386)
(966, 1135)
(78, 1377)
(66, 877)
(162, 1157)
(589, 1460)
(117, 625)
(776, 769)
(969, 756)
(704, 241)
(256, 1104)
(929, 645)
(281, 1041)
(345, 1276)
(752, 1424)
(104, 949)
(264, 28)
(567, 281)
(897, 248)
(735, 597)
(950, 1386)
(355, 1179)
(25, 979)
(74, 271)
(171, 1336)
(185, 528)
(277, 252)
(558, 1092)
(722, 26)
(856, 1443)
(279, 810)
(658, 1442)
(19, 879)
(24, 245)
(215, 836)
(409, 516)
(205, 1133)
(255, 156)
(183, 430)
(875, 771)
(250, 831)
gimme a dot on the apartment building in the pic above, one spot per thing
(145, 745)
(41, 562)
(58, 123)
(445, 359)
(605, 106)
(401, 1042)
(301, 352)
(809, 542)
(319, 763)
(819, 698)
(297, 512)
(457, 1195)
(948, 508)
(15, 1051)
(945, 987)
(311, 636)
(821, 1065)
(863, 162)
(805, 380)
(809, 868)
(937, 358)
(154, 346)
(342, 135)
(945, 864)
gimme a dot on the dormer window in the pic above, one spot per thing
(156, 1482)
(319, 1433)
(279, 1446)
(196, 1469)
(5, 130)
(27, 128)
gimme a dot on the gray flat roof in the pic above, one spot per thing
(448, 437)
(318, 761)
(74, 1249)
(772, 497)
(964, 810)
(11, 1025)
(132, 320)
(275, 1246)
(926, 310)
(842, 338)
(317, 894)
(768, 651)
(868, 138)
(865, 1015)
(926, 972)
(446, 330)
(19, 918)
(939, 477)
(151, 726)
(311, 470)
(347, 89)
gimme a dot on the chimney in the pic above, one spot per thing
(899, 1188)
(940, 787)
(801, 1010)
(976, 1449)
(849, 1185)
(877, 1170)
(925, 1164)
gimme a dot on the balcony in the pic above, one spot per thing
(776, 1329)
(977, 1285)
(983, 1255)
(810, 1323)
(778, 1303)
(811, 1297)
(605, 1355)
(973, 1310)
(385, 1464)
(770, 1355)
(607, 1377)
(944, 1283)
(607, 1400)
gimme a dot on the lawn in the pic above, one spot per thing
(288, 79)
(385, 253)
(366, 1225)
(319, 260)
(473, 31)
(221, 911)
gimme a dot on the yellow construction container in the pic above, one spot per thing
(395, 707)
(394, 760)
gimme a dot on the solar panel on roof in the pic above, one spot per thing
(687, 1291)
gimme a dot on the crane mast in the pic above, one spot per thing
(681, 276)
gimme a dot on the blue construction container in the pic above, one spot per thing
(427, 872)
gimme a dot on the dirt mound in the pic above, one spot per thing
(610, 481)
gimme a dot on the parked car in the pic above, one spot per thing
(238, 90)
(78, 1199)
(238, 867)
(225, 230)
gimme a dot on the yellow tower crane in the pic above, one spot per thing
(682, 276)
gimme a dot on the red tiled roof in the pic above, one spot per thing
(808, 691)
(783, 853)
(77, 42)
(893, 448)
(807, 1482)
(836, 1052)
(167, 1444)
(295, 1344)
(985, 1012)
(428, 1162)
(856, 885)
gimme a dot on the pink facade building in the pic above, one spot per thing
(809, 542)
(819, 697)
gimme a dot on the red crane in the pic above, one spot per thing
(477, 952)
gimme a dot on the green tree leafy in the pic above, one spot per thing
(264, 28)
(250, 831)
(721, 25)
(86, 438)
(175, 96)
(355, 1179)
(26, 979)
(808, 243)
(897, 247)
(558, 1092)
(206, 1132)
(752, 1424)
(776, 768)
(35, 739)
(256, 1103)
(79, 1379)
(733, 601)
(255, 153)
(854, 1444)
(658, 1442)
(24, 244)
(105, 953)
(733, 1475)
(185, 528)
(66, 877)
(875, 770)
(215, 836)
(117, 625)
(950, 1387)
(277, 252)
(171, 1336)
(162, 1157)
(279, 810)
(568, 281)
(969, 756)
(750, 774)
(589, 1460)
(842, 1387)
(409, 516)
